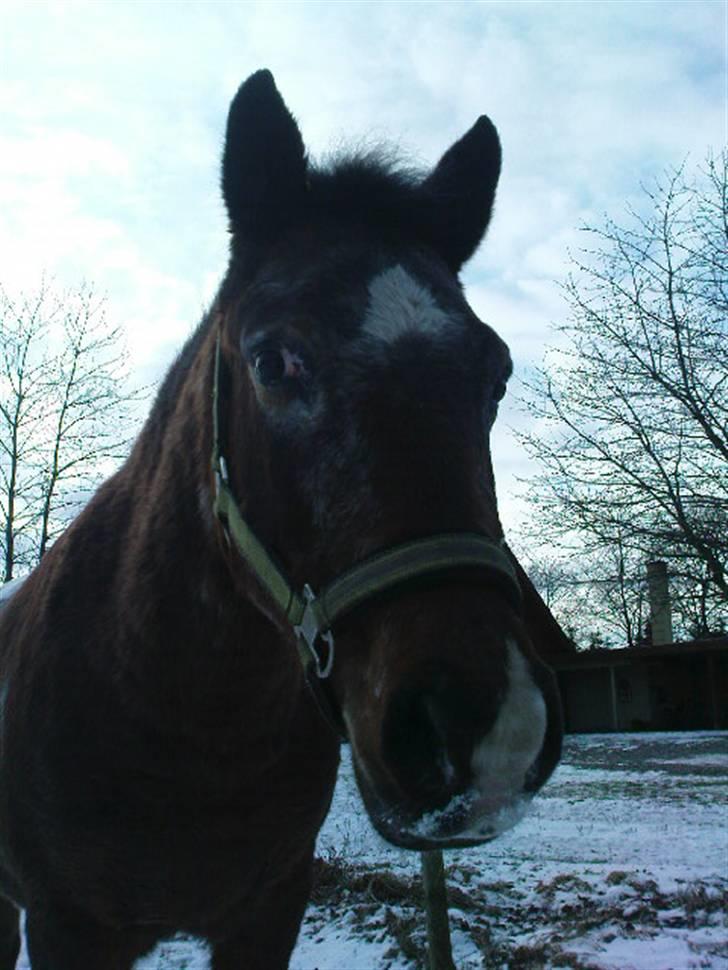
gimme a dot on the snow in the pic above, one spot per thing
(701, 759)
(621, 864)
(7, 589)
(665, 952)
(334, 946)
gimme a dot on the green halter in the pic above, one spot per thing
(312, 616)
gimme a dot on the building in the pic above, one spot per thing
(666, 687)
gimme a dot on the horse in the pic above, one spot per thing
(302, 548)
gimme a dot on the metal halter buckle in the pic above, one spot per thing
(308, 631)
(221, 474)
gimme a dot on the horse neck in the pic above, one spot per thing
(195, 606)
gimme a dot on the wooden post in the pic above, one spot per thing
(613, 698)
(713, 691)
(439, 949)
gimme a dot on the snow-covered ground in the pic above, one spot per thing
(622, 863)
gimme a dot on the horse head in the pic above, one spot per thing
(355, 397)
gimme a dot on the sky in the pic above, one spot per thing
(112, 119)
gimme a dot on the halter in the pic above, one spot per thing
(311, 615)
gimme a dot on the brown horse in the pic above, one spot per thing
(173, 693)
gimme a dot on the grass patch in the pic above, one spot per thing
(617, 877)
(698, 900)
(507, 928)
(407, 931)
(333, 877)
(564, 882)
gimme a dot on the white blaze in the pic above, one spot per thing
(501, 760)
(496, 801)
(398, 304)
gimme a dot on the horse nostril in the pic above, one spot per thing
(415, 746)
(428, 741)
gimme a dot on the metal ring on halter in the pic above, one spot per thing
(309, 631)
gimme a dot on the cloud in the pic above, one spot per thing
(113, 117)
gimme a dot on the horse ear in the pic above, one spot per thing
(460, 191)
(264, 161)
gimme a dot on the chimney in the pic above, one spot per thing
(659, 597)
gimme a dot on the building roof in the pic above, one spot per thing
(629, 655)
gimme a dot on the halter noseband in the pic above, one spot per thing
(311, 615)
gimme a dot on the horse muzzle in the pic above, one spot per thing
(459, 767)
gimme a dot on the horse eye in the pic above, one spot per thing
(499, 391)
(497, 395)
(269, 365)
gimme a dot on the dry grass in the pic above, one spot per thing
(565, 908)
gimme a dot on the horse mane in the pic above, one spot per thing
(367, 189)
(373, 190)
(368, 182)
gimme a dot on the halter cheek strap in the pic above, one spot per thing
(313, 616)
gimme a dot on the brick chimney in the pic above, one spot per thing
(659, 597)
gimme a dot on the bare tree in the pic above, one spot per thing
(23, 366)
(90, 416)
(65, 413)
(632, 410)
(599, 598)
